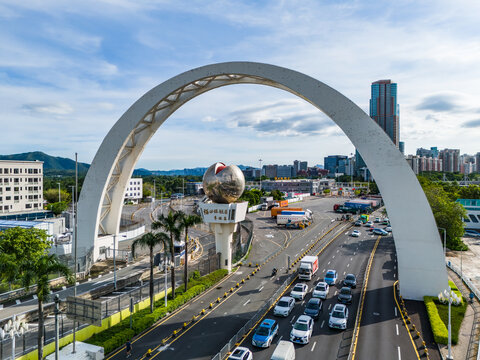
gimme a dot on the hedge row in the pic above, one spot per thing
(438, 315)
(440, 332)
(114, 337)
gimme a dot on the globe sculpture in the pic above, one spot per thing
(223, 184)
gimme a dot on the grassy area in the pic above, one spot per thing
(438, 315)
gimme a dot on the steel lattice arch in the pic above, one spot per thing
(421, 266)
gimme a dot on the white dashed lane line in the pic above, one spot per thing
(246, 302)
(396, 326)
(399, 355)
(313, 346)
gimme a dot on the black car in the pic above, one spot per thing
(313, 308)
(350, 281)
(345, 295)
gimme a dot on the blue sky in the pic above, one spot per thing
(70, 69)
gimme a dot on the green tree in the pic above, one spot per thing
(36, 273)
(448, 213)
(277, 195)
(51, 195)
(170, 224)
(58, 207)
(150, 241)
(326, 191)
(373, 188)
(186, 222)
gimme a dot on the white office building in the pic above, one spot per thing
(21, 186)
(134, 190)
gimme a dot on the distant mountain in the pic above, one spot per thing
(64, 166)
(51, 164)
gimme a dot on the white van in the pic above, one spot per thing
(284, 351)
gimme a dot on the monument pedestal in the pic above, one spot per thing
(223, 220)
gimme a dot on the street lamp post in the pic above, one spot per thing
(444, 242)
(114, 260)
(59, 195)
(450, 299)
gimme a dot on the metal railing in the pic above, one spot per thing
(223, 353)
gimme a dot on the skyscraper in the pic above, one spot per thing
(384, 109)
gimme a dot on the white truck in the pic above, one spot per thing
(267, 202)
(308, 267)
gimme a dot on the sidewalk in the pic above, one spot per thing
(468, 262)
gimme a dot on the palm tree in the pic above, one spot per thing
(150, 240)
(187, 221)
(37, 273)
(170, 224)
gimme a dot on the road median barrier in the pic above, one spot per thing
(202, 312)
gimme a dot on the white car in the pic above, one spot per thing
(302, 330)
(377, 220)
(338, 317)
(369, 223)
(355, 233)
(388, 229)
(241, 353)
(321, 290)
(284, 306)
(299, 291)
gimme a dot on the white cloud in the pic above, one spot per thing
(89, 61)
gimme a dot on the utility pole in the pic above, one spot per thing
(260, 160)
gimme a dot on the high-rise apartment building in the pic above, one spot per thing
(385, 110)
(477, 162)
(432, 152)
(21, 186)
(451, 160)
(270, 171)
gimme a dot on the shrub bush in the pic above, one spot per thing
(117, 335)
(440, 332)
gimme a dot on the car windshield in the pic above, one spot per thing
(320, 287)
(350, 277)
(237, 353)
(338, 314)
(329, 275)
(312, 305)
(282, 303)
(345, 291)
(300, 326)
(262, 330)
(298, 288)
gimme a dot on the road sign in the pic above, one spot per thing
(84, 311)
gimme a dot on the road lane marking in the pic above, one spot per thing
(293, 318)
(323, 270)
(328, 263)
(296, 255)
(348, 265)
(313, 346)
(329, 306)
(246, 302)
(323, 323)
(396, 326)
(351, 259)
(399, 355)
(333, 257)
(280, 338)
(260, 289)
(344, 273)
(338, 250)
(395, 311)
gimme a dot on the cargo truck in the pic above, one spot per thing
(285, 219)
(308, 267)
(277, 210)
(267, 202)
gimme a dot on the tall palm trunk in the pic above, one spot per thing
(151, 279)
(185, 274)
(40, 329)
(172, 277)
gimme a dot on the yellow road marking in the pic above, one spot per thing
(404, 321)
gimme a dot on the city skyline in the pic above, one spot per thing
(65, 84)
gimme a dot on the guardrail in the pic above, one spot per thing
(222, 354)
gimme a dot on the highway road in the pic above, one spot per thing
(378, 336)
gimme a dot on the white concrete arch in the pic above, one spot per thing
(421, 265)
